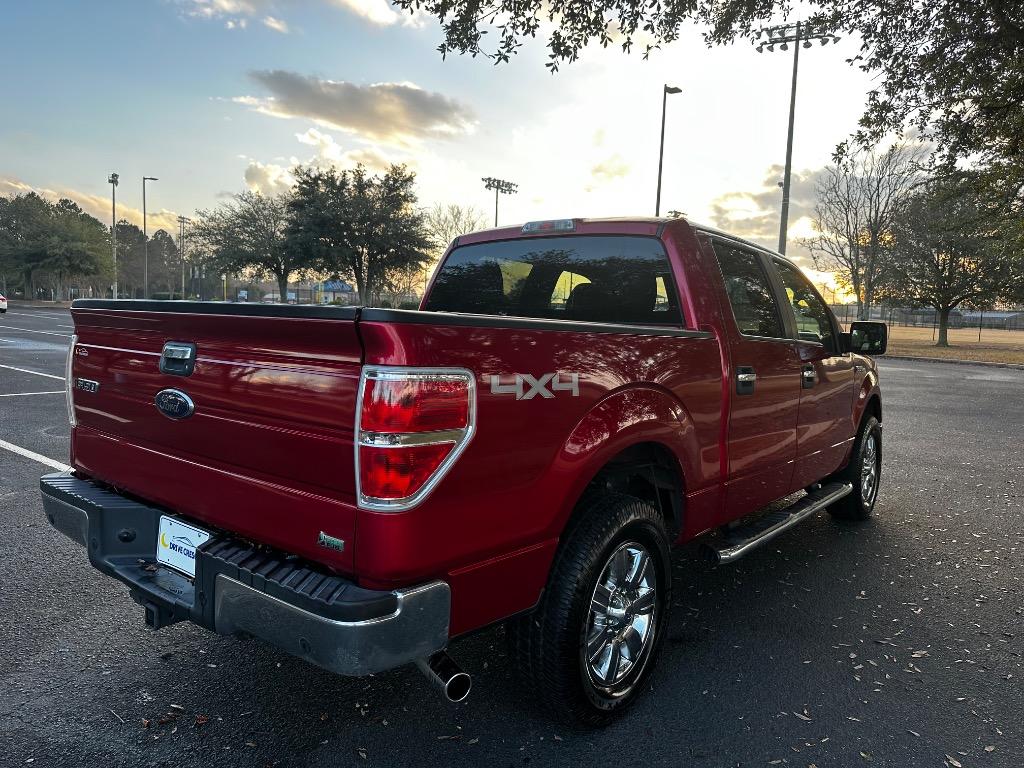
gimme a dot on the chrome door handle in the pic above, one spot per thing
(808, 376)
(745, 379)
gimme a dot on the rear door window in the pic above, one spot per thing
(750, 292)
(592, 278)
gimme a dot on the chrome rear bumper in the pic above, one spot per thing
(239, 588)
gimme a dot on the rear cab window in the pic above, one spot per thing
(614, 279)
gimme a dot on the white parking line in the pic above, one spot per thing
(34, 456)
(41, 314)
(29, 330)
(26, 394)
(37, 373)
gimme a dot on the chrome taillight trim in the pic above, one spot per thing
(402, 439)
(460, 437)
(69, 384)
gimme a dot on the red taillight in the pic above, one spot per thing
(397, 473)
(412, 425)
(415, 405)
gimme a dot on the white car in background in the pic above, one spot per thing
(3, 304)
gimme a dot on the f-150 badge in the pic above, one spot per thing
(525, 386)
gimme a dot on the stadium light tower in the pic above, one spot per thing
(800, 34)
(500, 187)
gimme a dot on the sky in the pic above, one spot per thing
(213, 96)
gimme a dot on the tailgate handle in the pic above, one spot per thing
(178, 358)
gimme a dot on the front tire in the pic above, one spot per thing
(863, 472)
(590, 644)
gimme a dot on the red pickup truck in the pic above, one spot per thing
(361, 486)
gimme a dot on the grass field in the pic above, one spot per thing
(995, 346)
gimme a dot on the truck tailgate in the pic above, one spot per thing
(267, 451)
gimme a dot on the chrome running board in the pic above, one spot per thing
(742, 540)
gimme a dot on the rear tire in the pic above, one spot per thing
(863, 472)
(590, 644)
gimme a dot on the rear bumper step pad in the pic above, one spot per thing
(241, 588)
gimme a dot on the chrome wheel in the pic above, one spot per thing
(619, 631)
(869, 469)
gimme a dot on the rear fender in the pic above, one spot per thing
(623, 419)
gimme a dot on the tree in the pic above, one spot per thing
(445, 222)
(857, 200)
(248, 234)
(54, 243)
(360, 226)
(947, 250)
(953, 69)
(130, 259)
(164, 264)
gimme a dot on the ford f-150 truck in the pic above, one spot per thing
(360, 486)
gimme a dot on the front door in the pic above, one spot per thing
(764, 388)
(825, 429)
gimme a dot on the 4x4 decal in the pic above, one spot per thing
(525, 386)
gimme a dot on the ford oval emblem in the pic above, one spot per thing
(174, 404)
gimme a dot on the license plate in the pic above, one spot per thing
(176, 544)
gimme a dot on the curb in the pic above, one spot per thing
(955, 361)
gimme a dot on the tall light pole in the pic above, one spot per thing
(500, 187)
(182, 221)
(145, 240)
(112, 181)
(800, 34)
(661, 150)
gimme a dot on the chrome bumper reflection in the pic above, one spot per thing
(417, 628)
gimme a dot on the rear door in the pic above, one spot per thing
(764, 389)
(825, 428)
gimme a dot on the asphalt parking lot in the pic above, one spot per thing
(895, 642)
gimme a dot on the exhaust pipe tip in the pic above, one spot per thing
(446, 676)
(458, 687)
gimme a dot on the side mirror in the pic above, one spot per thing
(867, 338)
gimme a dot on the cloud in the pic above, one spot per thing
(268, 178)
(330, 152)
(272, 178)
(395, 113)
(613, 167)
(755, 215)
(236, 12)
(94, 205)
(376, 11)
(275, 24)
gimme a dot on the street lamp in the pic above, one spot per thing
(182, 221)
(800, 34)
(666, 90)
(112, 181)
(145, 239)
(500, 186)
